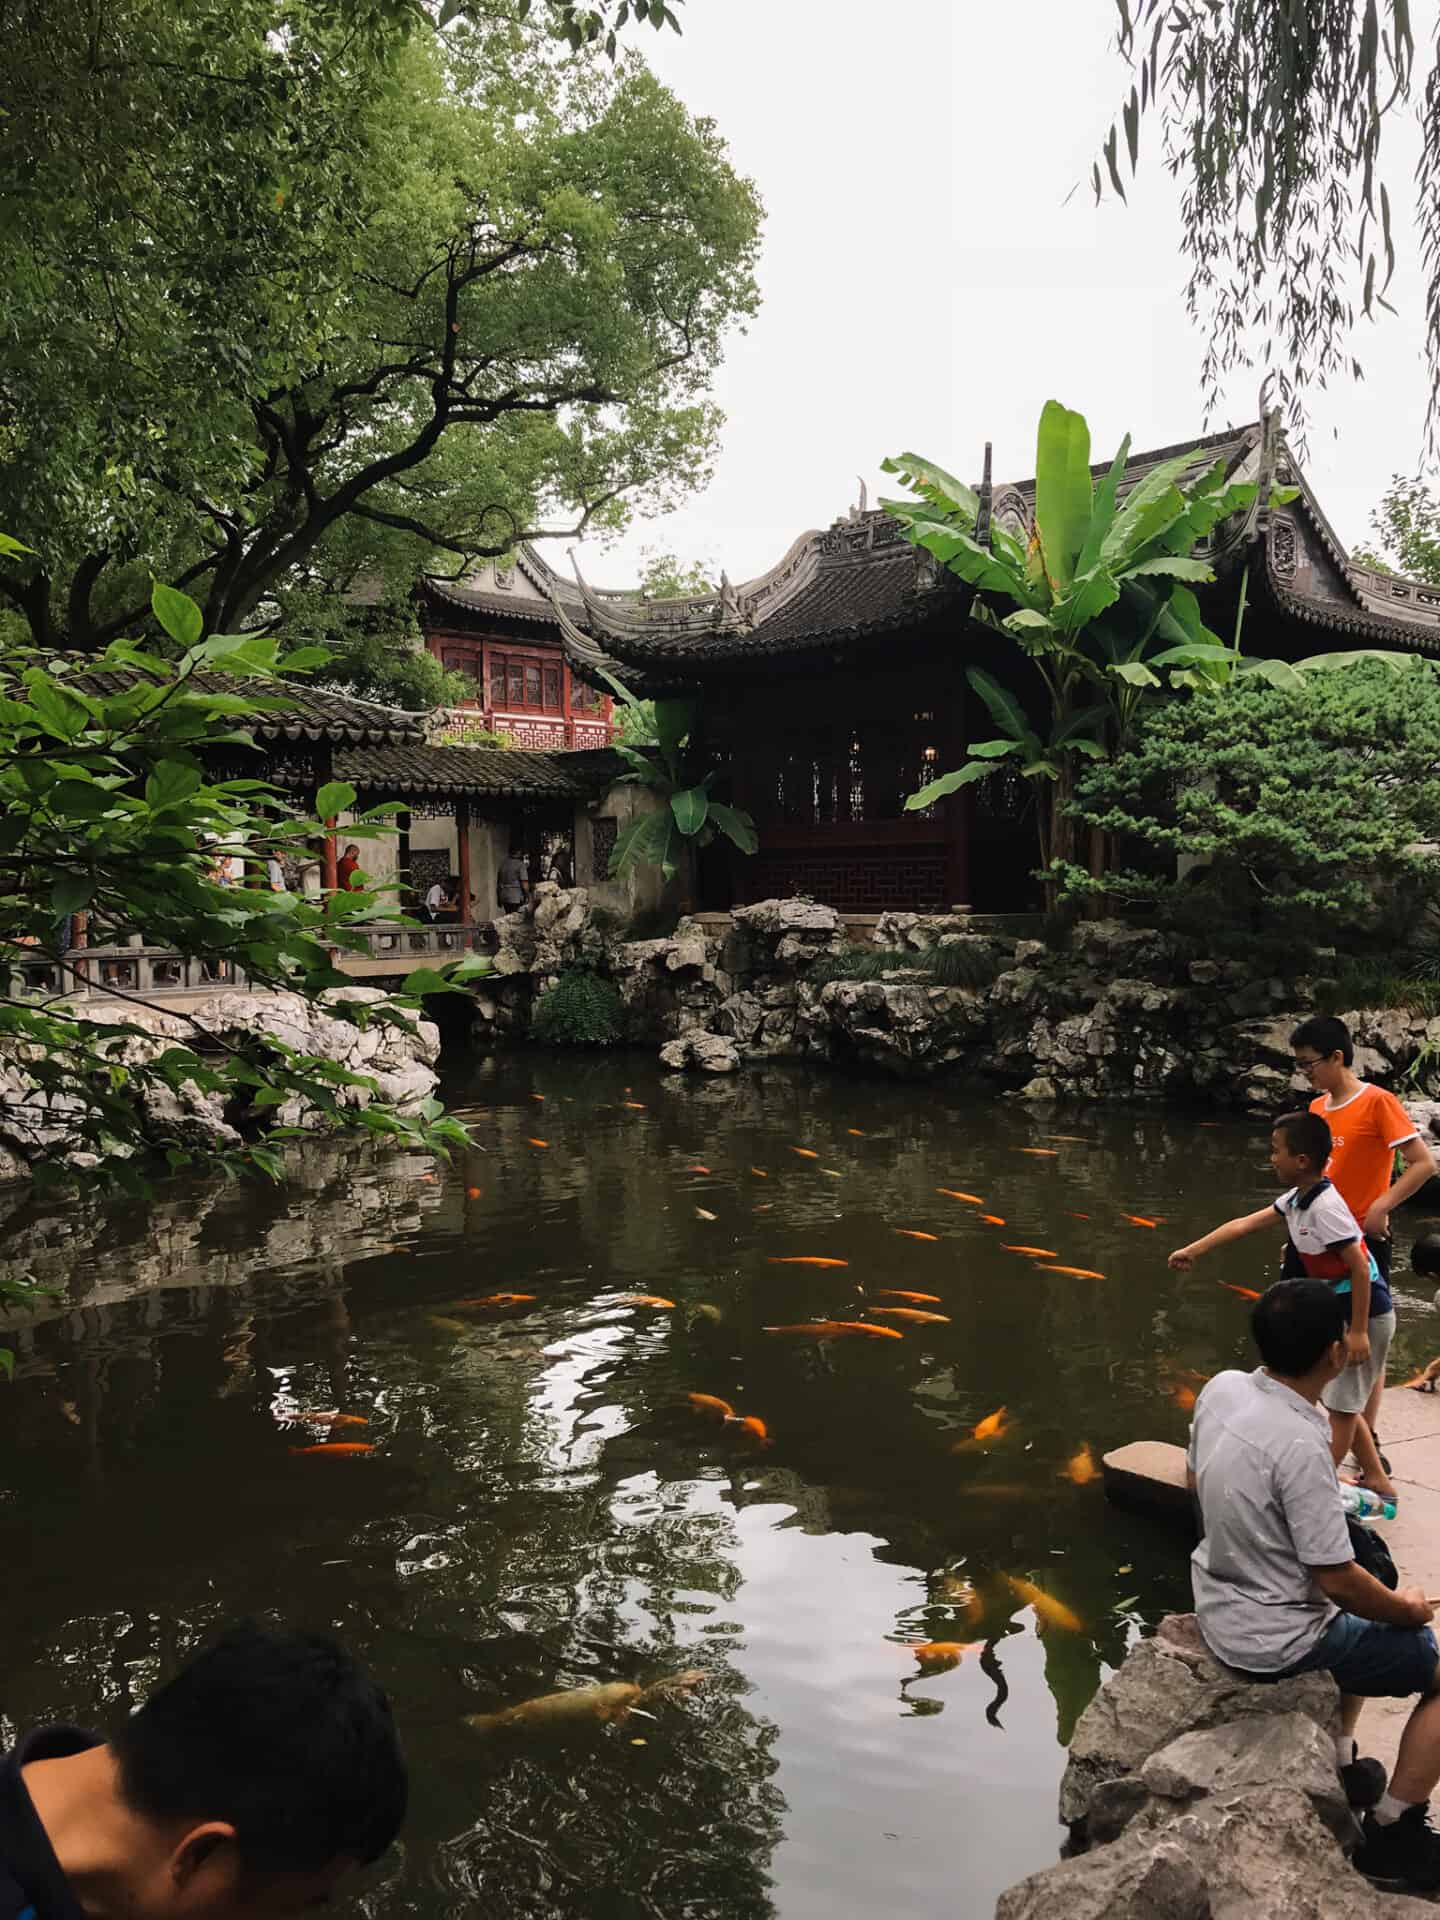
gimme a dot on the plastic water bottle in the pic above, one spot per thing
(1366, 1505)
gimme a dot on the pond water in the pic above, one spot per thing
(543, 1509)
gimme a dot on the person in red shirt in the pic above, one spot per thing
(1369, 1127)
(347, 868)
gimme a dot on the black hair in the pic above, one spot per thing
(1307, 1133)
(283, 1736)
(1295, 1323)
(1326, 1035)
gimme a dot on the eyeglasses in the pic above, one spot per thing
(1309, 1066)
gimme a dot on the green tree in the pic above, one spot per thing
(1407, 528)
(1304, 805)
(314, 268)
(1097, 597)
(1273, 118)
(666, 577)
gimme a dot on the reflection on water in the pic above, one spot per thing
(544, 1511)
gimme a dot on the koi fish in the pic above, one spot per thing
(804, 1259)
(760, 1173)
(579, 1707)
(831, 1173)
(900, 1293)
(1076, 1273)
(1077, 1216)
(858, 1132)
(1184, 1398)
(805, 1153)
(537, 1143)
(472, 1193)
(1245, 1293)
(346, 1448)
(711, 1406)
(1080, 1468)
(990, 1427)
(1040, 1153)
(1072, 1139)
(697, 1169)
(427, 1176)
(496, 1300)
(642, 1300)
(1036, 1253)
(442, 1325)
(915, 1314)
(1049, 1612)
(1424, 1381)
(537, 1096)
(836, 1330)
(764, 1206)
(992, 1219)
(703, 1213)
(331, 1419)
(635, 1106)
(938, 1656)
(914, 1233)
(951, 1193)
(752, 1427)
(1139, 1220)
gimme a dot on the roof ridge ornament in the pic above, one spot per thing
(987, 501)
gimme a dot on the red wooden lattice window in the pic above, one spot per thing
(524, 684)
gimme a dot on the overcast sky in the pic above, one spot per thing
(927, 287)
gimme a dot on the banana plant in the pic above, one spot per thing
(1099, 599)
(689, 815)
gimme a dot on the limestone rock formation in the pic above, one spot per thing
(707, 1051)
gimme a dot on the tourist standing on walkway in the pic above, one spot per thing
(1277, 1589)
(1369, 1127)
(246, 1788)
(512, 882)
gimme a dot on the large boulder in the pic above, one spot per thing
(706, 1051)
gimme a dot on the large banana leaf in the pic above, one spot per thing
(1064, 491)
(1121, 540)
(942, 489)
(736, 825)
(1172, 566)
(1102, 514)
(949, 783)
(674, 720)
(1006, 710)
(691, 808)
(652, 840)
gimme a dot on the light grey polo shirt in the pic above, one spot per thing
(1261, 1459)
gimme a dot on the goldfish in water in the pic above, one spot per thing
(1080, 1467)
(993, 1219)
(991, 1426)
(496, 1300)
(915, 1299)
(427, 1176)
(751, 1428)
(537, 1096)
(472, 1193)
(937, 1656)
(763, 1206)
(760, 1173)
(836, 1330)
(914, 1233)
(442, 1325)
(953, 1193)
(642, 1300)
(1140, 1220)
(804, 1260)
(346, 1449)
(805, 1153)
(703, 1213)
(1049, 1612)
(859, 1132)
(635, 1106)
(331, 1419)
(1040, 1153)
(1077, 1216)
(1184, 1398)
(697, 1169)
(710, 1406)
(1036, 1253)
(1424, 1381)
(1075, 1273)
(1073, 1139)
(832, 1173)
(580, 1707)
(1245, 1293)
(916, 1315)
(537, 1143)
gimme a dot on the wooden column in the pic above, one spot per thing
(402, 856)
(329, 862)
(462, 836)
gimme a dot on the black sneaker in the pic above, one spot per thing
(1405, 1855)
(1364, 1782)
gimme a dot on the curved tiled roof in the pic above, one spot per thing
(501, 772)
(309, 713)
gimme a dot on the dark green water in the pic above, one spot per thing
(542, 1510)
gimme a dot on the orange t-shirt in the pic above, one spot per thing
(1366, 1130)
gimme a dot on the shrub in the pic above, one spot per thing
(580, 1010)
(960, 964)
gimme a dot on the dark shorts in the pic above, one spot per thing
(1376, 1661)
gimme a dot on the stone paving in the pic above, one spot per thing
(1410, 1435)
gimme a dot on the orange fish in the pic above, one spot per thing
(1036, 1253)
(1077, 1216)
(859, 1132)
(537, 1143)
(537, 1096)
(1245, 1293)
(704, 1213)
(642, 1300)
(472, 1193)
(751, 1427)
(1081, 1467)
(804, 1259)
(635, 1106)
(1074, 1139)
(496, 1300)
(831, 1173)
(763, 1206)
(1139, 1220)
(1184, 1398)
(992, 1219)
(950, 1193)
(349, 1448)
(917, 1314)
(760, 1173)
(900, 1293)
(711, 1406)
(427, 1176)
(837, 1330)
(1076, 1273)
(331, 1419)
(805, 1153)
(990, 1426)
(1040, 1153)
(914, 1233)
(1049, 1612)
(937, 1656)
(697, 1169)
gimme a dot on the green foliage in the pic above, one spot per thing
(1309, 805)
(580, 1010)
(107, 806)
(665, 577)
(688, 814)
(1407, 526)
(1272, 120)
(960, 964)
(636, 724)
(322, 294)
(1376, 983)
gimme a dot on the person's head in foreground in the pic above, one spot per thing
(1300, 1145)
(1299, 1328)
(247, 1787)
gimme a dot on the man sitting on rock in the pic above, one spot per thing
(1277, 1590)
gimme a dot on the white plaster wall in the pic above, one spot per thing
(642, 887)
